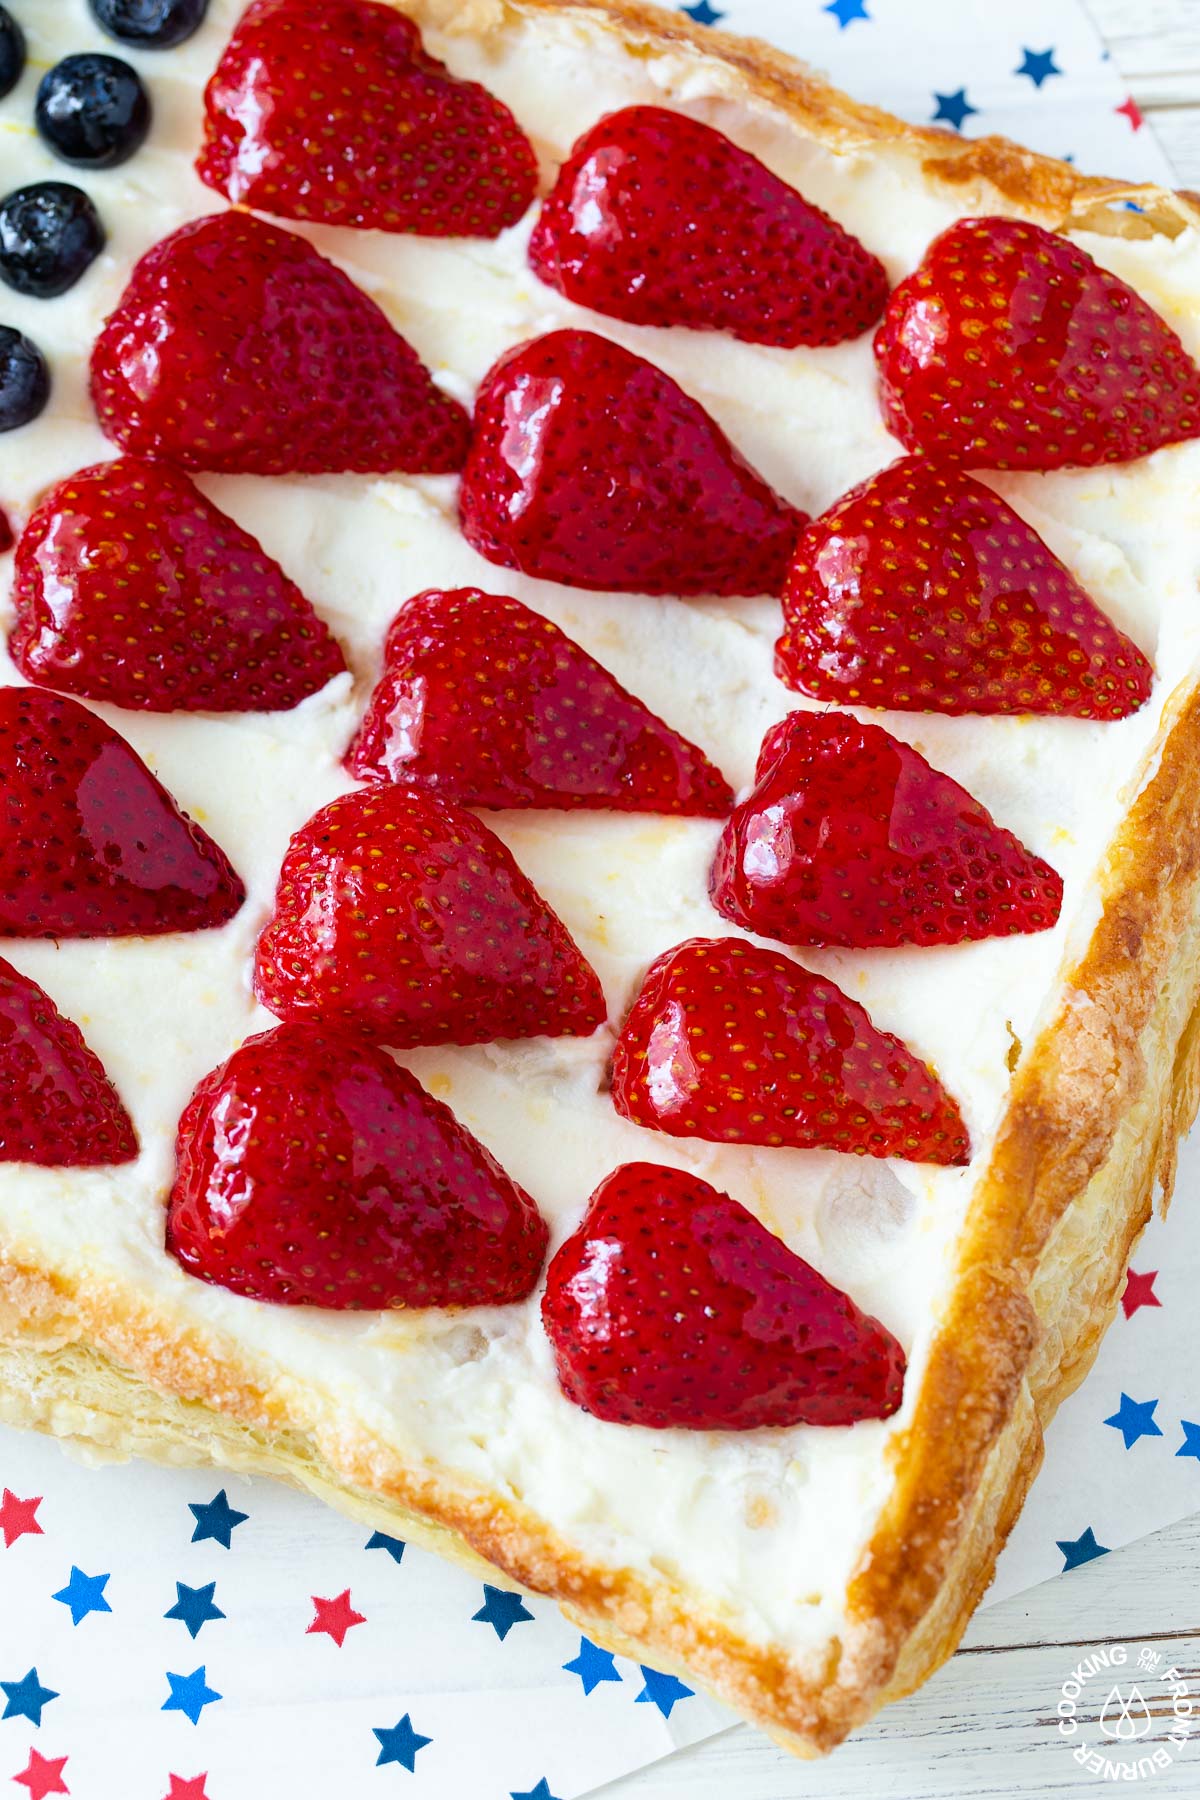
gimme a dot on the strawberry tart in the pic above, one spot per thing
(599, 799)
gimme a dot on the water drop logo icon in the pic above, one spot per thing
(1125, 1718)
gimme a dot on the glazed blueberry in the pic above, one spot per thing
(24, 379)
(93, 110)
(149, 24)
(12, 52)
(50, 234)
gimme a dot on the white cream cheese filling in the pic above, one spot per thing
(767, 1525)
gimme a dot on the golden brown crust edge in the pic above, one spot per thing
(1096, 1109)
(1092, 1126)
(965, 168)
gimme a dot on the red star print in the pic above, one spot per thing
(18, 1517)
(1132, 112)
(1139, 1291)
(42, 1775)
(335, 1617)
(187, 1790)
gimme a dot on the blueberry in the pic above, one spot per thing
(50, 234)
(93, 110)
(24, 379)
(149, 24)
(12, 52)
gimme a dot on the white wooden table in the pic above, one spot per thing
(985, 1726)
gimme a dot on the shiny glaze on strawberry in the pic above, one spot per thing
(661, 219)
(91, 844)
(131, 587)
(590, 466)
(57, 1106)
(485, 702)
(403, 916)
(923, 591)
(850, 837)
(673, 1307)
(1009, 347)
(237, 347)
(313, 1170)
(741, 1045)
(333, 111)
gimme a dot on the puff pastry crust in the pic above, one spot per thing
(1097, 1105)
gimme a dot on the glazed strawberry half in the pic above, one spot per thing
(131, 587)
(662, 220)
(850, 837)
(1010, 348)
(489, 704)
(922, 590)
(591, 467)
(57, 1106)
(311, 1170)
(672, 1306)
(740, 1045)
(91, 844)
(333, 111)
(236, 347)
(402, 915)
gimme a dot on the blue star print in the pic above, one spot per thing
(194, 1605)
(593, 1665)
(847, 11)
(216, 1520)
(1134, 1419)
(1039, 65)
(662, 1691)
(379, 1540)
(84, 1594)
(25, 1699)
(540, 1792)
(1191, 1439)
(703, 13)
(1080, 1550)
(952, 109)
(501, 1610)
(399, 1743)
(190, 1694)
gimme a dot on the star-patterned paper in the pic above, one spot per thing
(1123, 1453)
(1034, 70)
(191, 1635)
